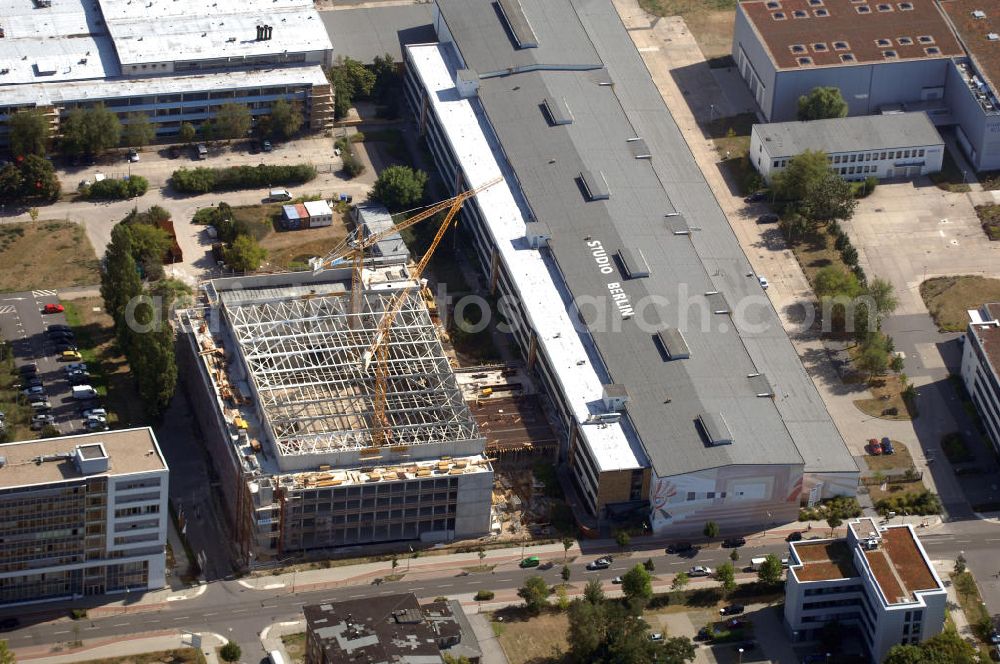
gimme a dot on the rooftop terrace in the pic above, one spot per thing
(899, 566)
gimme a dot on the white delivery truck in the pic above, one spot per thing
(757, 563)
(84, 392)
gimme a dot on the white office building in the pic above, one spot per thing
(980, 359)
(877, 580)
(83, 515)
(896, 145)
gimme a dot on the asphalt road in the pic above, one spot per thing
(23, 324)
(239, 613)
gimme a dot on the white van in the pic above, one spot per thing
(279, 195)
(84, 392)
(276, 657)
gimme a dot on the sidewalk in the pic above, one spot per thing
(120, 647)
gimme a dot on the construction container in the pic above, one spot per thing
(319, 213)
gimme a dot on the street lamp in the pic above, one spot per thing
(739, 652)
(711, 113)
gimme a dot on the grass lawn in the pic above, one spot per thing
(295, 646)
(899, 460)
(710, 21)
(887, 401)
(533, 641)
(816, 251)
(95, 336)
(50, 254)
(18, 413)
(895, 489)
(178, 656)
(989, 215)
(948, 298)
(972, 606)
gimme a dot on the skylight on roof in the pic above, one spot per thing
(881, 43)
(797, 48)
(841, 46)
(885, 7)
(820, 13)
(979, 14)
(816, 3)
(863, 9)
(778, 16)
(805, 61)
(820, 47)
(925, 39)
(904, 41)
(889, 54)
(905, 6)
(932, 50)
(847, 57)
(773, 4)
(800, 13)
(517, 23)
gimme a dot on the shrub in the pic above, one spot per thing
(230, 652)
(78, 614)
(353, 166)
(849, 254)
(920, 504)
(484, 595)
(117, 189)
(203, 180)
(842, 507)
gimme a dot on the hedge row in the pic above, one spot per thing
(130, 187)
(204, 180)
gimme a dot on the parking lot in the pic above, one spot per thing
(27, 328)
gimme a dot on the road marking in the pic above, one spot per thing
(417, 588)
(7, 309)
(446, 585)
(211, 614)
(238, 611)
(354, 596)
(65, 631)
(42, 293)
(121, 624)
(648, 49)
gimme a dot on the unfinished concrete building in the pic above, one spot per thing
(287, 406)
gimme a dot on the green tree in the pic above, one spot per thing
(232, 121)
(769, 572)
(565, 574)
(151, 360)
(351, 80)
(562, 598)
(711, 530)
(650, 567)
(834, 522)
(567, 543)
(187, 133)
(230, 652)
(11, 183)
(38, 179)
(897, 364)
(833, 281)
(874, 359)
(681, 579)
(451, 659)
(677, 650)
(49, 431)
(734, 555)
(244, 254)
(6, 656)
(622, 539)
(802, 173)
(399, 187)
(884, 296)
(586, 629)
(637, 586)
(388, 84)
(960, 564)
(828, 198)
(535, 593)
(593, 592)
(149, 244)
(120, 282)
(285, 119)
(907, 654)
(29, 133)
(822, 103)
(138, 131)
(90, 131)
(726, 576)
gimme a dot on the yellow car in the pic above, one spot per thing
(70, 356)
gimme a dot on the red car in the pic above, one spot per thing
(874, 447)
(52, 309)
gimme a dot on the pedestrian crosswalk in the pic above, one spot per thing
(43, 293)
(7, 308)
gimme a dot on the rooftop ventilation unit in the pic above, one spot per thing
(596, 185)
(467, 83)
(761, 385)
(639, 148)
(993, 36)
(717, 301)
(517, 23)
(634, 262)
(558, 111)
(714, 426)
(678, 225)
(91, 458)
(615, 397)
(537, 234)
(978, 13)
(673, 343)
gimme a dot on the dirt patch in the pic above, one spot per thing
(949, 298)
(895, 490)
(95, 335)
(710, 21)
(816, 251)
(887, 400)
(49, 254)
(989, 215)
(295, 646)
(900, 459)
(178, 656)
(535, 640)
(291, 249)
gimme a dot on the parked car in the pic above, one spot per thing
(887, 446)
(87, 413)
(680, 547)
(656, 636)
(8, 624)
(75, 366)
(769, 218)
(37, 390)
(763, 282)
(32, 380)
(94, 425)
(266, 146)
(530, 561)
(79, 379)
(40, 405)
(60, 335)
(732, 610)
(994, 637)
(70, 356)
(704, 634)
(733, 542)
(133, 156)
(279, 195)
(600, 563)
(201, 151)
(699, 570)
(51, 308)
(757, 196)
(874, 447)
(617, 580)
(995, 653)
(63, 346)
(29, 368)
(794, 537)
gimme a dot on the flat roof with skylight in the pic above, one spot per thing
(978, 24)
(823, 33)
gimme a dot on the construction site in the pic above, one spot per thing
(334, 416)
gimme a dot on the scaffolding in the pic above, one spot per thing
(303, 356)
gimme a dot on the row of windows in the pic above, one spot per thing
(368, 503)
(369, 533)
(364, 517)
(380, 489)
(852, 170)
(137, 484)
(875, 156)
(132, 539)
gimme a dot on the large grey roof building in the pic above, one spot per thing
(669, 369)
